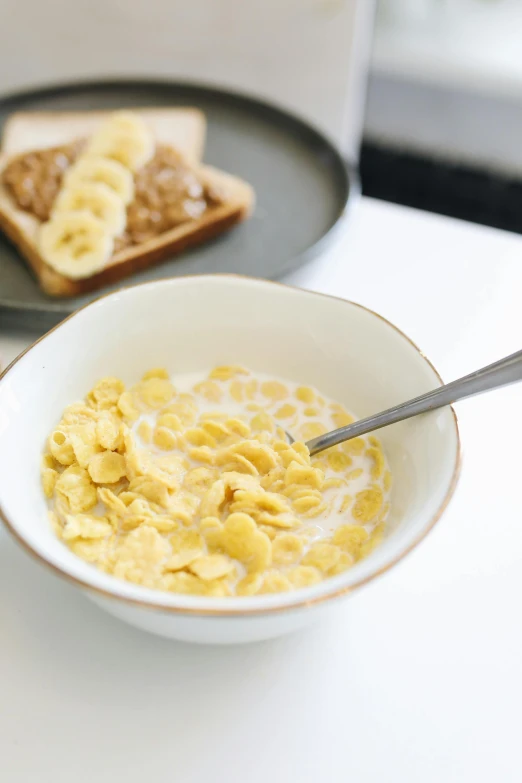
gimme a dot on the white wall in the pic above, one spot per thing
(306, 54)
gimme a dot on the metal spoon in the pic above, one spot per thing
(502, 373)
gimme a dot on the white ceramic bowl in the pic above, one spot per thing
(193, 323)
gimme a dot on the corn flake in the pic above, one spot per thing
(140, 555)
(285, 411)
(217, 429)
(157, 372)
(322, 555)
(350, 538)
(367, 505)
(107, 467)
(250, 584)
(338, 461)
(106, 393)
(354, 447)
(262, 457)
(210, 390)
(378, 466)
(342, 419)
(85, 526)
(344, 563)
(61, 448)
(312, 429)
(155, 392)
(127, 406)
(304, 475)
(75, 486)
(144, 431)
(210, 567)
(305, 394)
(164, 439)
(304, 576)
(227, 371)
(275, 582)
(49, 477)
(112, 501)
(262, 422)
(287, 548)
(242, 540)
(274, 390)
(92, 551)
(387, 481)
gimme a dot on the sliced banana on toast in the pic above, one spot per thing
(98, 170)
(96, 198)
(124, 138)
(90, 210)
(77, 244)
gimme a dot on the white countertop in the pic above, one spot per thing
(416, 678)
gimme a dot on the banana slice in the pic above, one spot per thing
(96, 198)
(105, 172)
(126, 121)
(124, 138)
(76, 244)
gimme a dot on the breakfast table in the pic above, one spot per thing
(417, 677)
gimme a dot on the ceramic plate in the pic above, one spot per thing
(302, 188)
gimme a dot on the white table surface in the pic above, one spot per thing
(418, 677)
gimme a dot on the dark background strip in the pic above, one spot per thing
(437, 186)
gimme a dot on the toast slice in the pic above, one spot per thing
(183, 128)
(235, 203)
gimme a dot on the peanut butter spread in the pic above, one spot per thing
(167, 192)
(34, 179)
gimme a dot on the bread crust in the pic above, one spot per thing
(182, 127)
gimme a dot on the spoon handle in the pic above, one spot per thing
(502, 373)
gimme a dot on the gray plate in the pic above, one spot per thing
(302, 187)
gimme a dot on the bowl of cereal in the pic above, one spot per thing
(148, 463)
